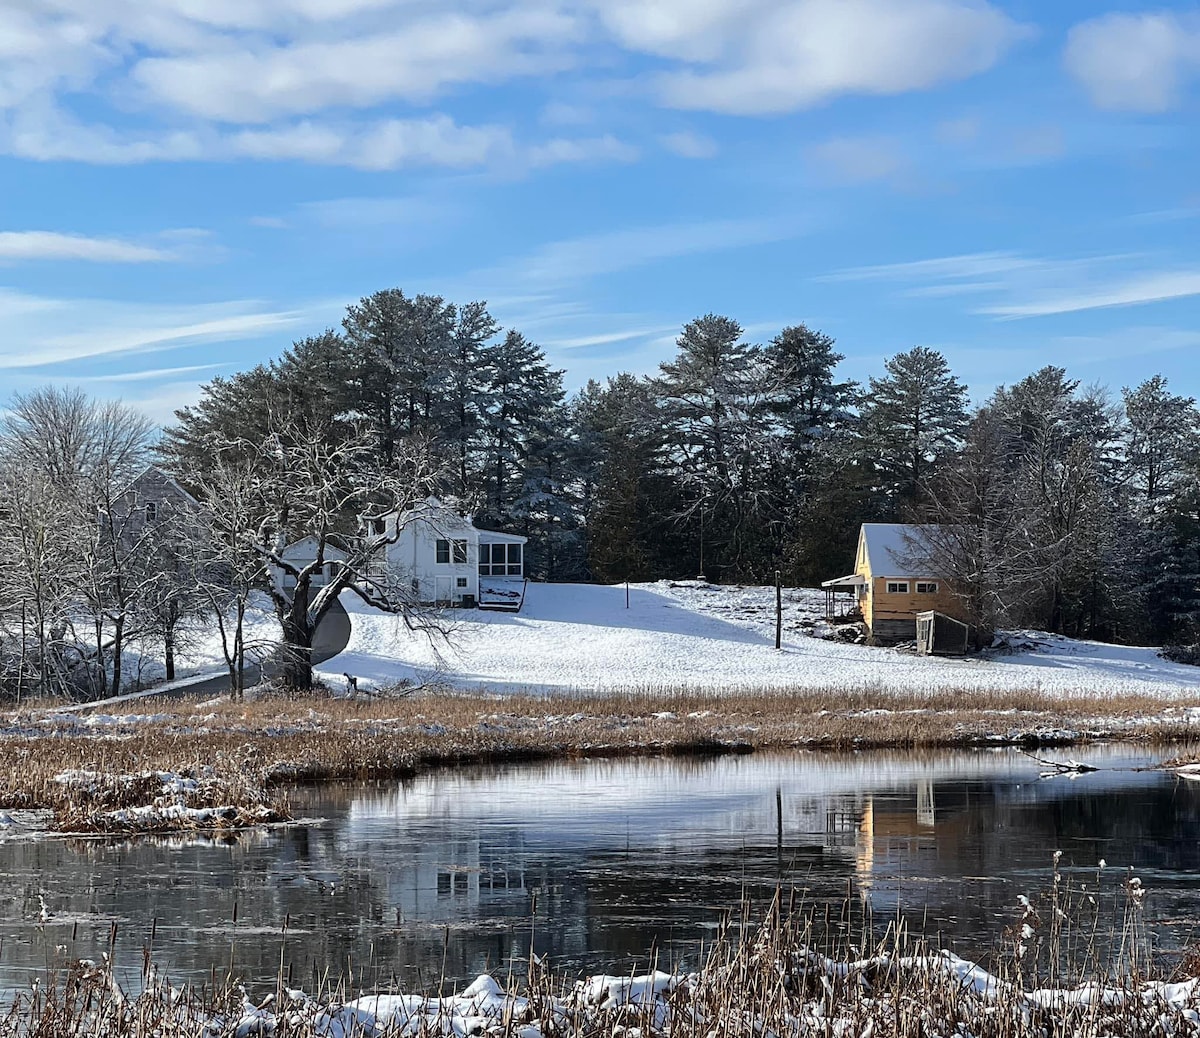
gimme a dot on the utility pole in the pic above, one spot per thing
(778, 610)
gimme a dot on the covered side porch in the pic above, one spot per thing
(501, 571)
(843, 595)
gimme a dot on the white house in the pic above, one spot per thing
(302, 553)
(447, 558)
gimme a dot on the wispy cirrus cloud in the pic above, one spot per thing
(1010, 285)
(54, 245)
(44, 332)
(612, 251)
(1137, 290)
(150, 374)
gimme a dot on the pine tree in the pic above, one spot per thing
(398, 348)
(715, 403)
(523, 399)
(627, 498)
(914, 416)
(467, 373)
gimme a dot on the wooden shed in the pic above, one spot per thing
(942, 635)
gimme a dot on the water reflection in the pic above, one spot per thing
(595, 862)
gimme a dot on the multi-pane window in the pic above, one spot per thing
(500, 560)
(927, 587)
(448, 551)
(897, 587)
(460, 582)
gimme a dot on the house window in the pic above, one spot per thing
(151, 512)
(500, 560)
(379, 527)
(897, 587)
(927, 587)
(460, 582)
(451, 551)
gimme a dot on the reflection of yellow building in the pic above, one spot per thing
(896, 839)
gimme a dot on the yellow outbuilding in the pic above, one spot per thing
(892, 582)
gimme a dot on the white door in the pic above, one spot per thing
(443, 589)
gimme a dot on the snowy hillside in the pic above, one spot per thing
(576, 637)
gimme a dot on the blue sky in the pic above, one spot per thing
(189, 185)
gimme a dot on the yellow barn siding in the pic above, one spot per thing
(901, 607)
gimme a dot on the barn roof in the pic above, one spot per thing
(897, 549)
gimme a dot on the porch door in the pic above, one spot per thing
(443, 590)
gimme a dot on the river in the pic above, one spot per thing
(600, 864)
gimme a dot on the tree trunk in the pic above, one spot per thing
(169, 647)
(118, 638)
(297, 663)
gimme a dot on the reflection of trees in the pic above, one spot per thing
(386, 889)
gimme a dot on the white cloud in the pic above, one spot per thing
(261, 80)
(1135, 62)
(335, 82)
(587, 149)
(1027, 286)
(383, 144)
(583, 342)
(965, 266)
(770, 56)
(44, 331)
(689, 145)
(1155, 287)
(857, 160)
(151, 375)
(51, 245)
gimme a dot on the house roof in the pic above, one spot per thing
(445, 519)
(499, 537)
(896, 549)
(154, 472)
(850, 580)
(306, 548)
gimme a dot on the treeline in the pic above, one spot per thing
(1053, 504)
(738, 459)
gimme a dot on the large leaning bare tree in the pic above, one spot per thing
(302, 482)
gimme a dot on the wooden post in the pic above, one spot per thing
(778, 610)
(627, 594)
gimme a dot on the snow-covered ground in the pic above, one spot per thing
(582, 638)
(199, 647)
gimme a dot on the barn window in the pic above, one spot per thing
(897, 587)
(927, 587)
